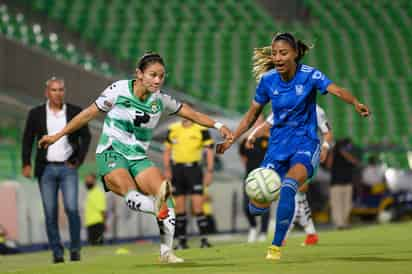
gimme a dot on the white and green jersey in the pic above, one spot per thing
(129, 123)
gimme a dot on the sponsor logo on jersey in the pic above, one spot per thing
(299, 89)
(275, 92)
(307, 153)
(318, 75)
(305, 68)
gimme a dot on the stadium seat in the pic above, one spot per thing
(208, 47)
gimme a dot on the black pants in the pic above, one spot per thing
(95, 234)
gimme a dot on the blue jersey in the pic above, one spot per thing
(293, 107)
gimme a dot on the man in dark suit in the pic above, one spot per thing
(56, 166)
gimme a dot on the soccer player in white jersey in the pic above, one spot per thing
(133, 108)
(303, 214)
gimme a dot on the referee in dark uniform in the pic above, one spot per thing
(182, 157)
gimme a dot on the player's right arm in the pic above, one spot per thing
(104, 103)
(77, 122)
(245, 124)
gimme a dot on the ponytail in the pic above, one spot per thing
(261, 61)
(302, 49)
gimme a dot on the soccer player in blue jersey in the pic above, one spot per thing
(294, 145)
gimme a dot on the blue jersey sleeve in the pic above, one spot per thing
(261, 95)
(320, 81)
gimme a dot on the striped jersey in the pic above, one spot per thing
(129, 123)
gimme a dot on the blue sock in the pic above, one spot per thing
(257, 210)
(286, 209)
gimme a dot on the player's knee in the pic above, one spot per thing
(254, 210)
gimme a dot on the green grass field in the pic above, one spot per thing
(385, 249)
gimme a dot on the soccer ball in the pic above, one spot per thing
(263, 185)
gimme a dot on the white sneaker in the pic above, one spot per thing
(164, 192)
(262, 237)
(252, 236)
(170, 258)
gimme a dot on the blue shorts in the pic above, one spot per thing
(307, 154)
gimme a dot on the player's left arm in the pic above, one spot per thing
(204, 120)
(349, 98)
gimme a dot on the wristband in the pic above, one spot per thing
(218, 125)
(326, 145)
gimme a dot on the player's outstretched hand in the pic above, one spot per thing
(226, 133)
(362, 109)
(250, 142)
(222, 147)
(47, 140)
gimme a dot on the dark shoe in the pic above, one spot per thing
(58, 260)
(181, 245)
(75, 256)
(204, 243)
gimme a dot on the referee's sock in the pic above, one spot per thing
(285, 210)
(181, 222)
(202, 224)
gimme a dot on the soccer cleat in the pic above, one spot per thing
(75, 256)
(262, 237)
(204, 243)
(182, 245)
(58, 260)
(164, 192)
(311, 239)
(273, 253)
(252, 236)
(163, 214)
(170, 258)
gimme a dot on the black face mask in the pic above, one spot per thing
(89, 186)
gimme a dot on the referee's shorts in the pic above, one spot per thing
(187, 178)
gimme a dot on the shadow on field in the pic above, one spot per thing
(184, 265)
(376, 259)
(369, 259)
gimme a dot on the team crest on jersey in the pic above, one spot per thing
(154, 107)
(299, 89)
(275, 92)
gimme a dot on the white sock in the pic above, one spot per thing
(305, 215)
(310, 227)
(167, 231)
(138, 202)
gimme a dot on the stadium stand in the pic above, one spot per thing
(207, 46)
(14, 26)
